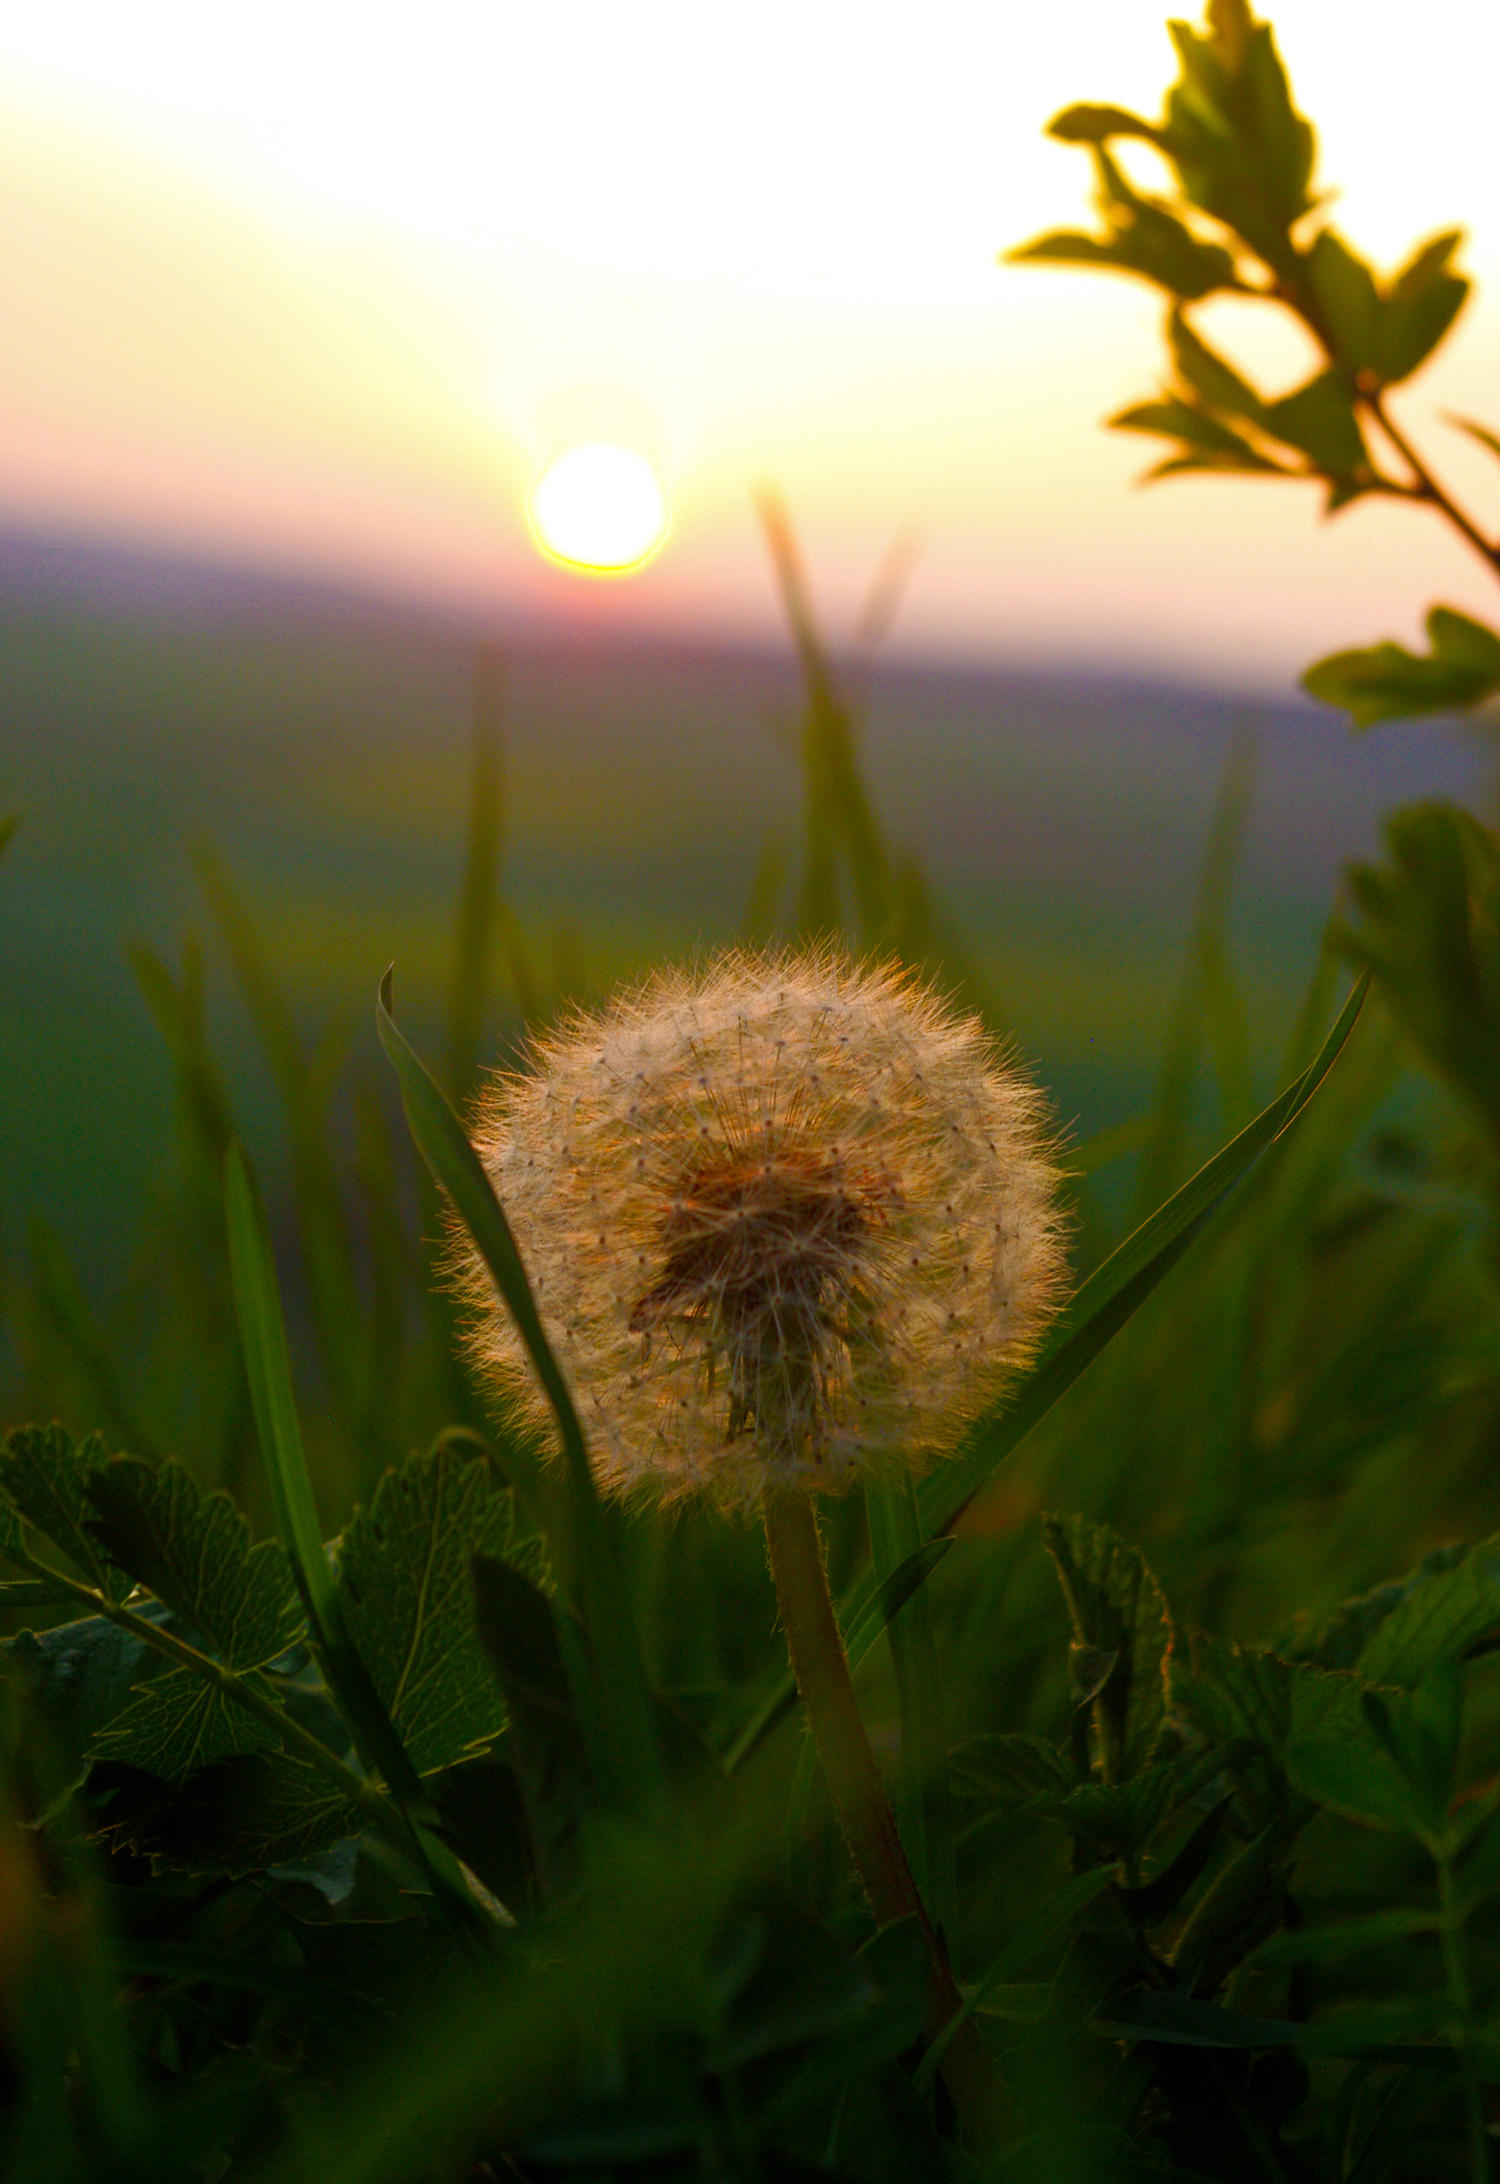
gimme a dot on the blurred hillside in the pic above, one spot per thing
(320, 742)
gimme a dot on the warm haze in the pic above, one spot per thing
(332, 288)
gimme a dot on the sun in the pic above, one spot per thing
(599, 508)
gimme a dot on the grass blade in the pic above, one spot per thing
(1116, 1290)
(924, 1802)
(477, 928)
(614, 1710)
(268, 1367)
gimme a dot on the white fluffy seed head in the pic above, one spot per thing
(788, 1220)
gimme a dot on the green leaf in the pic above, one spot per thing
(519, 1630)
(1182, 2021)
(177, 1722)
(1386, 682)
(1097, 124)
(403, 1574)
(1117, 1608)
(1164, 1894)
(1237, 1694)
(238, 1816)
(1436, 1617)
(1319, 420)
(1241, 150)
(1141, 237)
(1117, 1818)
(1337, 1756)
(80, 1676)
(1347, 301)
(1206, 373)
(195, 1554)
(1208, 443)
(1419, 306)
(611, 1695)
(1325, 1944)
(46, 1478)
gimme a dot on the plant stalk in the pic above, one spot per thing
(821, 1668)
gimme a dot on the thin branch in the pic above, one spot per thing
(1427, 487)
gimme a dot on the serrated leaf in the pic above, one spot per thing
(1242, 151)
(1116, 1607)
(1419, 306)
(1142, 237)
(1349, 1630)
(1336, 1757)
(177, 1722)
(46, 1478)
(1348, 302)
(1318, 419)
(1436, 1617)
(238, 1816)
(404, 1577)
(1237, 1694)
(1212, 445)
(1386, 682)
(195, 1553)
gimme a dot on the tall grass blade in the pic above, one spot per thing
(924, 1799)
(614, 1705)
(268, 1366)
(1207, 997)
(477, 928)
(355, 1370)
(837, 808)
(1115, 1291)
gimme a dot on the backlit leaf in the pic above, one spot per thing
(195, 1553)
(404, 1576)
(46, 1477)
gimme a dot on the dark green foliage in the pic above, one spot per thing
(1429, 928)
(484, 1841)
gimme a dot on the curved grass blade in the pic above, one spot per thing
(268, 1368)
(614, 1710)
(1115, 1291)
(1110, 1297)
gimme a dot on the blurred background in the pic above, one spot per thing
(303, 303)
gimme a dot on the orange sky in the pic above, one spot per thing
(328, 286)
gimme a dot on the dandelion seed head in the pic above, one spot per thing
(800, 1228)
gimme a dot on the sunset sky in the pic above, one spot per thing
(329, 287)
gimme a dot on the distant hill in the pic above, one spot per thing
(320, 740)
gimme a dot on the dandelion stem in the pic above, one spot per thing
(821, 1667)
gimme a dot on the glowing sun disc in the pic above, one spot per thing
(599, 508)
